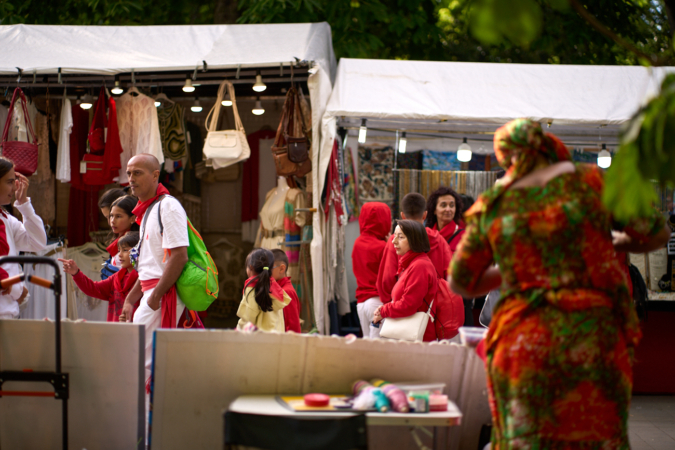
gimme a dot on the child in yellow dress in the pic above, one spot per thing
(263, 300)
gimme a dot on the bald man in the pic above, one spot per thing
(161, 256)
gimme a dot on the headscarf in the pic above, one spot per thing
(524, 139)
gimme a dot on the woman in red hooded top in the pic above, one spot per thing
(374, 224)
(444, 214)
(417, 282)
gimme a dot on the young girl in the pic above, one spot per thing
(263, 299)
(122, 220)
(115, 288)
(16, 236)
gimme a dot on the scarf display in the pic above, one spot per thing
(523, 139)
(141, 207)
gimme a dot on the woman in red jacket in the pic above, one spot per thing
(444, 214)
(417, 282)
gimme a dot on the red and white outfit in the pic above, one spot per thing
(374, 225)
(15, 237)
(414, 291)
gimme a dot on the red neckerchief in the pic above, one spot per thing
(128, 283)
(447, 230)
(405, 260)
(113, 249)
(141, 207)
(4, 246)
(275, 290)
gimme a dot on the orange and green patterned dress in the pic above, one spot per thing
(559, 347)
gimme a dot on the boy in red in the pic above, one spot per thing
(292, 311)
(374, 224)
(413, 207)
(115, 288)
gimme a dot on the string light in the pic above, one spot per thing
(258, 110)
(464, 152)
(363, 130)
(402, 143)
(188, 87)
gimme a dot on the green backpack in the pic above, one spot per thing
(197, 285)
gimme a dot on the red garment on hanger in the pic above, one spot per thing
(83, 204)
(251, 175)
(105, 144)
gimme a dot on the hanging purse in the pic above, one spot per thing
(24, 155)
(92, 166)
(291, 144)
(225, 147)
(409, 328)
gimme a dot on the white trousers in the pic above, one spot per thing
(145, 315)
(7, 316)
(366, 310)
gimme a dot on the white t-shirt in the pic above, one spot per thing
(151, 257)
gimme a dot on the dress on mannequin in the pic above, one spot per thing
(272, 216)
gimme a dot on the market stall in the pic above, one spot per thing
(440, 105)
(177, 65)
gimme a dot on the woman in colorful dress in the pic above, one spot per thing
(561, 339)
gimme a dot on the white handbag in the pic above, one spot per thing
(409, 328)
(226, 147)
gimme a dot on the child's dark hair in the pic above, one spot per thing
(127, 204)
(261, 261)
(110, 196)
(129, 240)
(280, 257)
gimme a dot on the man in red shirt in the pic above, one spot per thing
(374, 224)
(292, 310)
(413, 207)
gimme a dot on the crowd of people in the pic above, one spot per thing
(562, 326)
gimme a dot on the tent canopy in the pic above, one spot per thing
(110, 50)
(490, 92)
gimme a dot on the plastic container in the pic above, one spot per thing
(471, 336)
(433, 388)
(438, 402)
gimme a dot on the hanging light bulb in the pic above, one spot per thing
(363, 130)
(604, 158)
(259, 86)
(158, 103)
(196, 107)
(87, 102)
(78, 101)
(227, 101)
(117, 89)
(464, 152)
(258, 110)
(188, 87)
(402, 143)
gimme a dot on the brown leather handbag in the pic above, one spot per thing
(292, 144)
(24, 155)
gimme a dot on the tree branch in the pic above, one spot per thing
(595, 23)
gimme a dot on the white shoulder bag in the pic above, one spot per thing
(226, 147)
(409, 328)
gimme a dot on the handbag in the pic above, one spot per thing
(225, 147)
(409, 328)
(292, 144)
(24, 155)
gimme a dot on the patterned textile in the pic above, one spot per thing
(585, 157)
(375, 176)
(171, 119)
(484, 162)
(230, 260)
(427, 181)
(411, 160)
(350, 193)
(560, 342)
(433, 160)
(293, 223)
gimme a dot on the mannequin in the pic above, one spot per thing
(272, 216)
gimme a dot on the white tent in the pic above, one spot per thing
(451, 100)
(109, 50)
